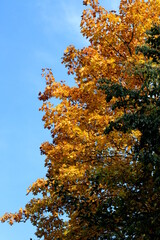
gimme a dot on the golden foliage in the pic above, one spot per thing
(80, 148)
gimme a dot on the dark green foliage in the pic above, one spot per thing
(153, 40)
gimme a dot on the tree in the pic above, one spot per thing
(139, 206)
(85, 167)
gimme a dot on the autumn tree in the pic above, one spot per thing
(86, 168)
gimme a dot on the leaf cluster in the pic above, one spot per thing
(102, 184)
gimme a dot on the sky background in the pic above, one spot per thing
(33, 35)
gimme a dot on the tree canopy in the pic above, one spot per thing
(102, 179)
(139, 205)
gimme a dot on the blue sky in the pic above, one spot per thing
(33, 35)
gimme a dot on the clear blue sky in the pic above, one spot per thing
(33, 35)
